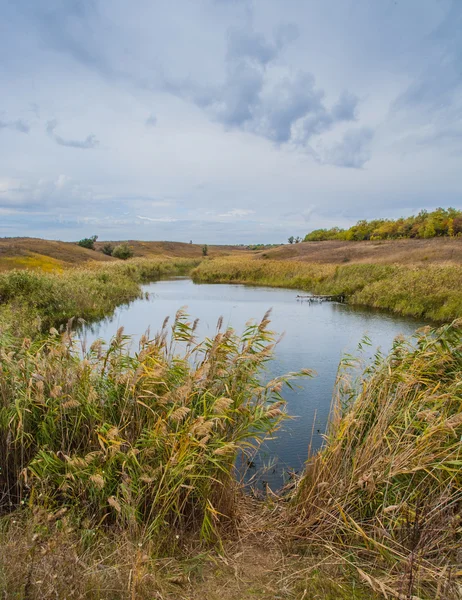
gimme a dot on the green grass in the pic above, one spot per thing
(433, 292)
(33, 301)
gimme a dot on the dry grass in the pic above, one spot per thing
(23, 253)
(174, 249)
(49, 255)
(386, 490)
(46, 556)
(402, 252)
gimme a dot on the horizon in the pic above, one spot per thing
(228, 121)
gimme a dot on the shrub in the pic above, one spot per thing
(107, 249)
(122, 251)
(88, 242)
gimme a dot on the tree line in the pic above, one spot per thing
(442, 222)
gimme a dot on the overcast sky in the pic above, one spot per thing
(225, 121)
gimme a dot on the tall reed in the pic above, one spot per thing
(146, 441)
(386, 489)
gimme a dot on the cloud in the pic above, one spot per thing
(158, 219)
(237, 212)
(262, 96)
(89, 142)
(353, 151)
(18, 125)
(151, 121)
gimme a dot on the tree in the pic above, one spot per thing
(298, 239)
(88, 242)
(291, 239)
(107, 249)
(122, 251)
(205, 250)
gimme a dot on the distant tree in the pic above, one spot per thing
(291, 239)
(122, 251)
(205, 250)
(190, 241)
(298, 239)
(107, 249)
(88, 242)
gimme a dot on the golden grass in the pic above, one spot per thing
(386, 489)
(432, 292)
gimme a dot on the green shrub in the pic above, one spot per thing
(88, 242)
(107, 249)
(122, 251)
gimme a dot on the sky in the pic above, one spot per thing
(225, 121)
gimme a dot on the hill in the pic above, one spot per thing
(172, 249)
(50, 255)
(404, 251)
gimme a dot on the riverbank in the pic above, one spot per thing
(116, 470)
(33, 301)
(432, 292)
(117, 479)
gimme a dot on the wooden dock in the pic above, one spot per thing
(321, 298)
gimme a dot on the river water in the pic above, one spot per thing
(317, 335)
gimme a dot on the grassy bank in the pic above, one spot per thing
(387, 487)
(433, 292)
(117, 473)
(34, 301)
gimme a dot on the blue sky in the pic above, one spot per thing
(225, 121)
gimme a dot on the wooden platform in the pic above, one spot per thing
(321, 298)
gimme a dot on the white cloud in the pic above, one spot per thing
(237, 213)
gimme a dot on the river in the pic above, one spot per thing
(316, 336)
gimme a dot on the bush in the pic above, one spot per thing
(88, 242)
(122, 251)
(107, 249)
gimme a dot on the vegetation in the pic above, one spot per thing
(294, 240)
(107, 249)
(33, 301)
(438, 223)
(111, 461)
(387, 487)
(147, 442)
(122, 251)
(117, 467)
(432, 292)
(205, 250)
(88, 242)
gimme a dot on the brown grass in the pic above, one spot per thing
(405, 251)
(50, 255)
(173, 249)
